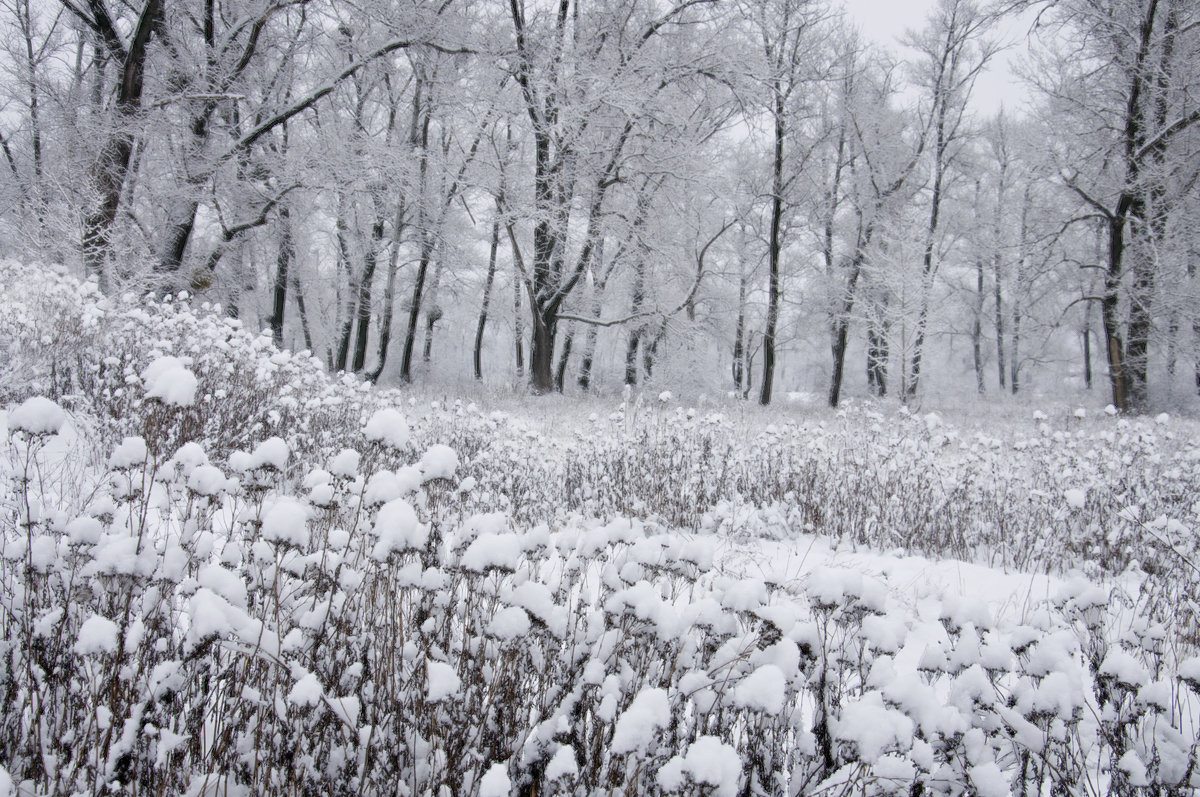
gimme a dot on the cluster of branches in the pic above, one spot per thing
(664, 189)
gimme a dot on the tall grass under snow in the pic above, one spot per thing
(226, 572)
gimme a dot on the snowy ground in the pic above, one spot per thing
(224, 572)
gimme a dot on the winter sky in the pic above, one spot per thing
(885, 21)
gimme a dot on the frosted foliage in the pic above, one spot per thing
(562, 765)
(131, 452)
(873, 728)
(441, 682)
(306, 691)
(286, 521)
(495, 782)
(762, 690)
(169, 380)
(637, 726)
(711, 762)
(389, 427)
(650, 600)
(439, 462)
(96, 635)
(397, 529)
(37, 415)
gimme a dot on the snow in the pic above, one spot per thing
(306, 691)
(226, 583)
(286, 521)
(989, 780)
(398, 530)
(439, 462)
(130, 453)
(345, 464)
(873, 728)
(562, 764)
(493, 552)
(1134, 769)
(649, 713)
(206, 480)
(388, 426)
(84, 531)
(495, 782)
(97, 635)
(441, 681)
(509, 623)
(169, 380)
(762, 690)
(37, 416)
(272, 453)
(711, 762)
(1076, 499)
(1122, 666)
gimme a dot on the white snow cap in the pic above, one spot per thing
(495, 782)
(131, 451)
(762, 690)
(169, 380)
(345, 464)
(206, 480)
(398, 529)
(439, 462)
(271, 452)
(37, 415)
(306, 692)
(636, 727)
(563, 764)
(96, 635)
(388, 426)
(711, 762)
(441, 681)
(1076, 499)
(286, 521)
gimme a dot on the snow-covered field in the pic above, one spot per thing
(225, 572)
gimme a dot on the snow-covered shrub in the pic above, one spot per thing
(199, 624)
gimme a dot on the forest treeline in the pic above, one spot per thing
(716, 194)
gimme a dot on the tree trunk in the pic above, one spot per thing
(591, 337)
(434, 313)
(564, 356)
(389, 293)
(775, 248)
(282, 264)
(928, 261)
(414, 308)
(301, 311)
(877, 359)
(112, 165)
(518, 326)
(541, 355)
(977, 327)
(348, 308)
(740, 381)
(365, 289)
(487, 295)
(841, 328)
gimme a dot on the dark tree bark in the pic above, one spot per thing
(365, 288)
(282, 265)
(741, 382)
(774, 250)
(487, 296)
(112, 165)
(564, 357)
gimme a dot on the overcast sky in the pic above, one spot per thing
(884, 21)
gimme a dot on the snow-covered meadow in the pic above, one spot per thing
(227, 572)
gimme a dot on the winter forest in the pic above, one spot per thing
(594, 397)
(703, 196)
